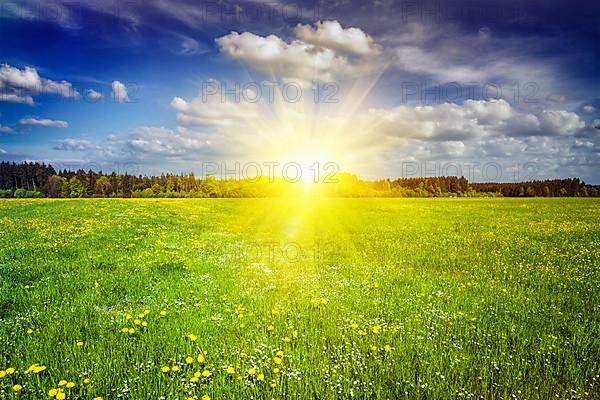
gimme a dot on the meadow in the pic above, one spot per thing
(300, 299)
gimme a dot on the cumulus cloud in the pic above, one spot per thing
(214, 110)
(559, 122)
(473, 119)
(33, 121)
(93, 95)
(5, 129)
(18, 97)
(119, 92)
(442, 122)
(71, 144)
(319, 57)
(18, 85)
(163, 142)
(589, 109)
(331, 35)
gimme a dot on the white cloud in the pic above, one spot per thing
(415, 60)
(301, 59)
(447, 121)
(18, 85)
(559, 122)
(557, 98)
(93, 95)
(158, 141)
(32, 121)
(5, 129)
(290, 60)
(119, 92)
(331, 35)
(191, 47)
(473, 119)
(75, 145)
(18, 97)
(213, 110)
(589, 109)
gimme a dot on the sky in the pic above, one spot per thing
(492, 90)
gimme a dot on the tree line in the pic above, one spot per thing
(32, 180)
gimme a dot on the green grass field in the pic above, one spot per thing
(272, 298)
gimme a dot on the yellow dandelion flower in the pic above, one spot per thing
(197, 374)
(275, 370)
(200, 358)
(9, 371)
(260, 377)
(165, 369)
(163, 313)
(137, 321)
(79, 344)
(131, 331)
(144, 324)
(62, 382)
(376, 329)
(354, 325)
(192, 337)
(17, 388)
(52, 392)
(194, 379)
(279, 353)
(39, 368)
(189, 360)
(251, 371)
(29, 331)
(70, 385)
(128, 316)
(230, 370)
(175, 368)
(206, 373)
(287, 339)
(277, 360)
(98, 398)
(61, 396)
(273, 385)
(373, 348)
(270, 328)
(205, 397)
(387, 347)
(125, 330)
(2, 374)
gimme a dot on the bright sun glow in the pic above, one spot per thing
(322, 138)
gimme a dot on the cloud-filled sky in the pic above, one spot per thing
(494, 90)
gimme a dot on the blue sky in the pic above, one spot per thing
(120, 83)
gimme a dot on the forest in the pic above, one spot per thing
(32, 180)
